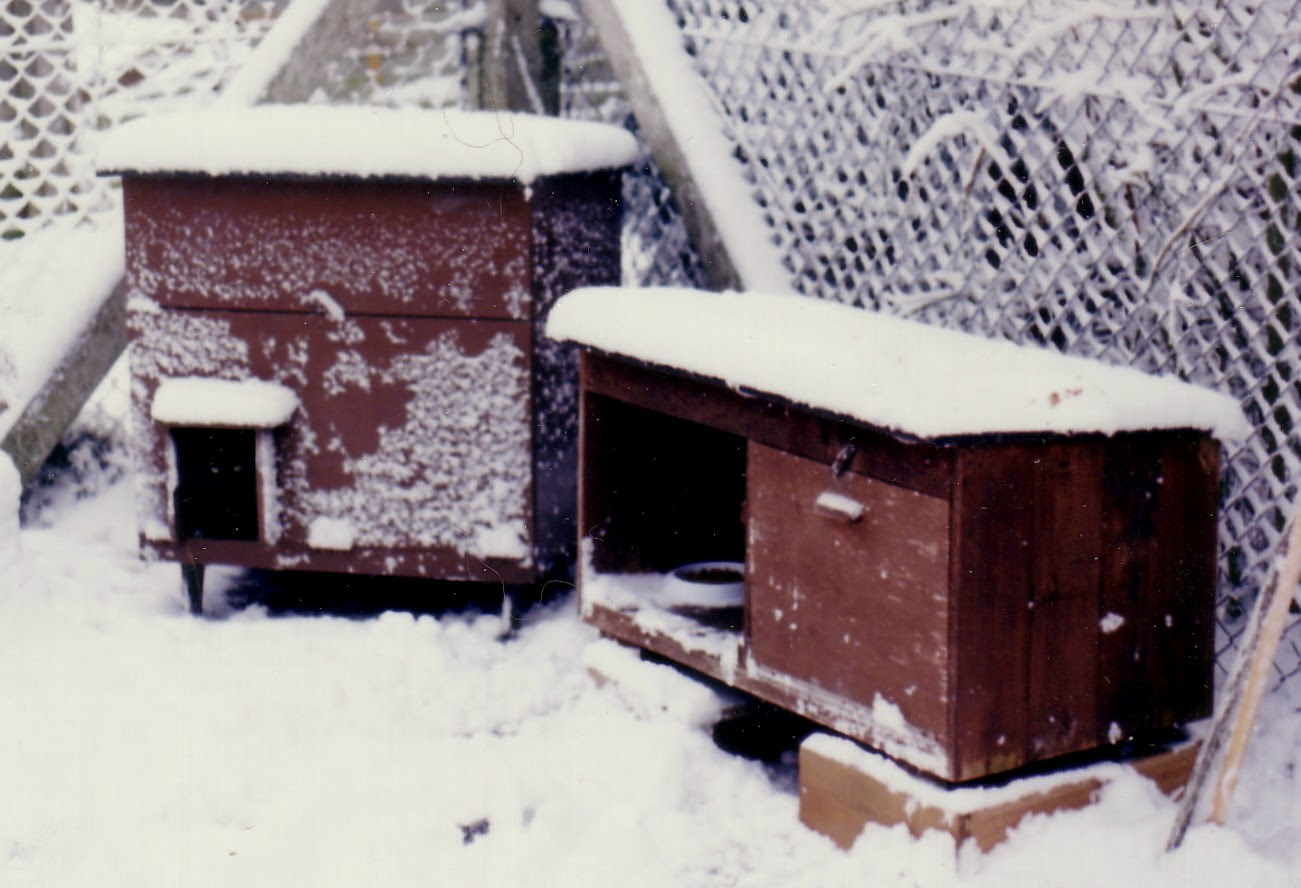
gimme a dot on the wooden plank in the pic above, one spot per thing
(432, 562)
(839, 800)
(1159, 576)
(992, 589)
(859, 608)
(768, 421)
(79, 372)
(374, 247)
(575, 237)
(1180, 659)
(1064, 557)
(625, 628)
(698, 648)
(340, 23)
(1240, 695)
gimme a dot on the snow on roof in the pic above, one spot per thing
(312, 140)
(223, 403)
(890, 373)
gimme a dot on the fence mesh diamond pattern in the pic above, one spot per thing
(70, 69)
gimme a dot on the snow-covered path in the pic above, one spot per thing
(141, 747)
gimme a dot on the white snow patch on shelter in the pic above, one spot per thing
(327, 304)
(507, 540)
(314, 140)
(890, 373)
(337, 534)
(223, 403)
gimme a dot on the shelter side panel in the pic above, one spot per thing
(409, 434)
(848, 589)
(392, 248)
(575, 243)
(1156, 653)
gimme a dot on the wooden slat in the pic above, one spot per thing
(433, 562)
(839, 800)
(574, 243)
(375, 247)
(69, 385)
(1064, 553)
(1159, 575)
(624, 627)
(992, 583)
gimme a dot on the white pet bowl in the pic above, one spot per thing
(706, 584)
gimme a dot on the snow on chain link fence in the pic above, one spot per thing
(1112, 179)
(71, 69)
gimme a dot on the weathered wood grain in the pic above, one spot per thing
(860, 609)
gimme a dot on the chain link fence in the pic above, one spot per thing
(1113, 180)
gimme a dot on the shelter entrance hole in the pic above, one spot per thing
(667, 491)
(216, 495)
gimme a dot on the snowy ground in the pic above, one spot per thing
(142, 747)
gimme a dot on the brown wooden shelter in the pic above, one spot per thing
(968, 555)
(335, 335)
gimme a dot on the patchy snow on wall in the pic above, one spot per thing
(455, 473)
(312, 140)
(888, 372)
(169, 345)
(574, 242)
(449, 462)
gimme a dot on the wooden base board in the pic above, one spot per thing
(843, 787)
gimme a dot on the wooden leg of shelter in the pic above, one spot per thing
(843, 787)
(192, 577)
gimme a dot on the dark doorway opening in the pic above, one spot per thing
(216, 484)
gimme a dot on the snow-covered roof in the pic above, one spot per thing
(894, 374)
(223, 403)
(311, 140)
